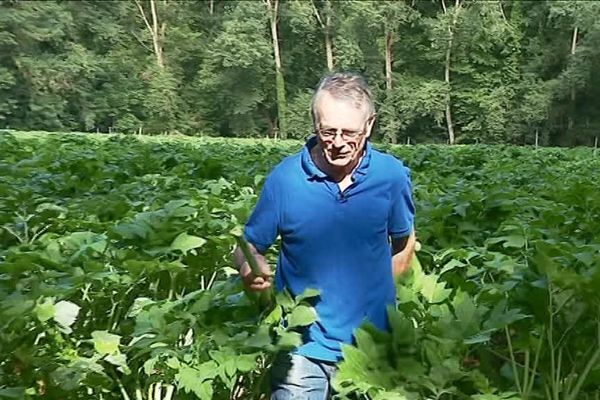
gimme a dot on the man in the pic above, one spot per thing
(335, 204)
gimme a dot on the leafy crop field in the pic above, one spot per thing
(116, 278)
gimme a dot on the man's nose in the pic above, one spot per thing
(337, 140)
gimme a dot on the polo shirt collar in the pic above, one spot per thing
(313, 172)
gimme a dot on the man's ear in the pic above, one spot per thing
(370, 124)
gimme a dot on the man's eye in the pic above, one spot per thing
(329, 132)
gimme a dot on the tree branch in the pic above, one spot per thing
(143, 14)
(154, 17)
(312, 3)
(141, 42)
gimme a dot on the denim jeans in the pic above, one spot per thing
(295, 377)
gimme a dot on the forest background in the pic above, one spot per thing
(443, 71)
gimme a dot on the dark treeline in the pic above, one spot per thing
(459, 71)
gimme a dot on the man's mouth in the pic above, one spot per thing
(335, 154)
(339, 156)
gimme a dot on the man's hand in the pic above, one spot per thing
(251, 281)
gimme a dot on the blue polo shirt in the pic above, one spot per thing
(336, 242)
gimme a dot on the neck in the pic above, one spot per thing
(336, 173)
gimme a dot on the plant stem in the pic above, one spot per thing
(526, 375)
(170, 391)
(513, 362)
(120, 384)
(586, 371)
(158, 391)
(535, 364)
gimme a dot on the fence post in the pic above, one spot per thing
(537, 135)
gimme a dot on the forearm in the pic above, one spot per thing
(239, 259)
(403, 252)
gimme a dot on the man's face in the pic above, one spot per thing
(342, 130)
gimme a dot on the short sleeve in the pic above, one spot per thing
(262, 228)
(402, 211)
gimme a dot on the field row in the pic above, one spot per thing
(116, 278)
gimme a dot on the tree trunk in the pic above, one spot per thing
(272, 7)
(272, 129)
(326, 27)
(328, 41)
(329, 50)
(451, 28)
(571, 120)
(211, 6)
(156, 33)
(389, 41)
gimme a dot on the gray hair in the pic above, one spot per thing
(345, 86)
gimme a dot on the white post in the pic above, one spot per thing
(537, 135)
(596, 145)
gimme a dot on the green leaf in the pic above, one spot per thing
(289, 339)
(307, 294)
(12, 393)
(149, 365)
(173, 362)
(450, 265)
(260, 339)
(197, 381)
(516, 241)
(185, 242)
(44, 311)
(481, 337)
(301, 316)
(284, 299)
(119, 360)
(274, 316)
(230, 367)
(466, 310)
(246, 362)
(432, 290)
(501, 317)
(138, 305)
(105, 343)
(403, 330)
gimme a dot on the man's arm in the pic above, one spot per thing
(250, 280)
(403, 250)
(260, 232)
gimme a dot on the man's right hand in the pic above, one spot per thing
(253, 282)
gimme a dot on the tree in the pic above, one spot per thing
(233, 88)
(452, 20)
(387, 20)
(457, 71)
(273, 13)
(315, 15)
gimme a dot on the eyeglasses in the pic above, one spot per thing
(347, 135)
(330, 134)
